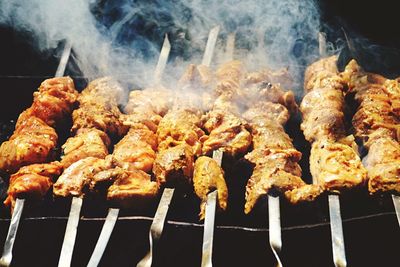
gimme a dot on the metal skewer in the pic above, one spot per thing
(163, 207)
(337, 237)
(6, 257)
(209, 220)
(274, 222)
(112, 216)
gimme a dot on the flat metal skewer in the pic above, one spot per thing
(396, 203)
(6, 257)
(209, 220)
(105, 234)
(12, 232)
(274, 220)
(163, 206)
(70, 233)
(337, 237)
(112, 216)
(157, 226)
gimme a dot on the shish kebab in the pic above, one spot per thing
(179, 142)
(136, 151)
(376, 125)
(335, 164)
(33, 144)
(95, 122)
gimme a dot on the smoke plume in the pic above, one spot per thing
(124, 37)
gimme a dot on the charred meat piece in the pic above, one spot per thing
(207, 177)
(86, 143)
(33, 141)
(33, 181)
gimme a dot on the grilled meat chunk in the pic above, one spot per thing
(180, 126)
(336, 165)
(33, 141)
(98, 108)
(78, 175)
(132, 189)
(137, 150)
(86, 143)
(227, 132)
(173, 167)
(33, 182)
(209, 176)
(53, 101)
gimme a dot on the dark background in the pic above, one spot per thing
(370, 225)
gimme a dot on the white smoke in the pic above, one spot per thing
(274, 33)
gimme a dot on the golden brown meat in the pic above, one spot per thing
(180, 126)
(207, 177)
(376, 124)
(334, 160)
(336, 165)
(274, 157)
(33, 141)
(53, 101)
(137, 150)
(225, 129)
(86, 143)
(281, 76)
(33, 182)
(78, 175)
(98, 108)
(132, 189)
(227, 132)
(173, 167)
(323, 115)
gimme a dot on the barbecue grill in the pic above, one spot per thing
(369, 222)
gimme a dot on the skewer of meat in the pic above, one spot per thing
(376, 126)
(95, 123)
(179, 135)
(33, 142)
(133, 155)
(334, 161)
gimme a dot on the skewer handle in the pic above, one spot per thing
(208, 236)
(157, 226)
(12, 232)
(212, 40)
(70, 233)
(64, 59)
(162, 60)
(274, 218)
(338, 248)
(104, 237)
(396, 203)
